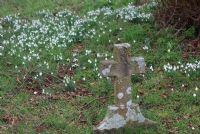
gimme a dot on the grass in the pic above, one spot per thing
(27, 7)
(34, 98)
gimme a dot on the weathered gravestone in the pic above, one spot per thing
(124, 112)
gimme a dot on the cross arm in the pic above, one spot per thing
(138, 65)
(105, 67)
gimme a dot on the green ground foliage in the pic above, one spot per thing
(49, 58)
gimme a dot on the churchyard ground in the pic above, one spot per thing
(49, 67)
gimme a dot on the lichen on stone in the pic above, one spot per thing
(128, 90)
(106, 71)
(116, 121)
(120, 95)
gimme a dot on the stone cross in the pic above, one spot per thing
(124, 112)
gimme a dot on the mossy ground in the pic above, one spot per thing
(166, 98)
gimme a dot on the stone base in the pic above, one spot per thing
(115, 121)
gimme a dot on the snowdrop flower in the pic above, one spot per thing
(96, 69)
(151, 68)
(68, 59)
(43, 91)
(193, 128)
(87, 52)
(89, 61)
(145, 48)
(52, 33)
(98, 55)
(95, 60)
(74, 54)
(75, 60)
(109, 1)
(1, 48)
(40, 73)
(185, 68)
(75, 65)
(194, 95)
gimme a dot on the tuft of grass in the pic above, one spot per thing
(37, 95)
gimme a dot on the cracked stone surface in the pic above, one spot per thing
(124, 112)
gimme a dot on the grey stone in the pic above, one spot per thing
(124, 112)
